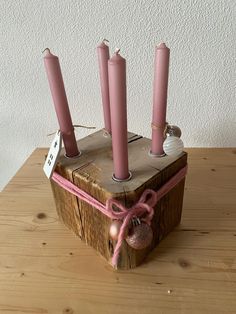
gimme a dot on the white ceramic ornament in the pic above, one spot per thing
(173, 146)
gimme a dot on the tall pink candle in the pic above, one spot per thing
(161, 69)
(103, 57)
(56, 84)
(117, 92)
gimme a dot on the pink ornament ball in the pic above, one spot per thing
(140, 236)
(115, 229)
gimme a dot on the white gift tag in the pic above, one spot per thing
(53, 155)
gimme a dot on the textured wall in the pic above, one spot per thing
(201, 36)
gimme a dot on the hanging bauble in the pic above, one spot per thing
(173, 146)
(173, 130)
(140, 236)
(115, 229)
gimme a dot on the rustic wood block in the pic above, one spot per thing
(92, 172)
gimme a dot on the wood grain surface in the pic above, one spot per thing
(46, 269)
(92, 172)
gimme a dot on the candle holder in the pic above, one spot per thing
(155, 155)
(92, 174)
(73, 157)
(122, 180)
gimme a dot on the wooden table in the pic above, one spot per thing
(44, 268)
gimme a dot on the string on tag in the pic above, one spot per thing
(76, 126)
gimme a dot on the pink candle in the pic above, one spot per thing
(117, 92)
(103, 57)
(56, 84)
(159, 98)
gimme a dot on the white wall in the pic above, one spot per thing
(200, 34)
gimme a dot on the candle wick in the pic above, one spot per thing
(162, 45)
(105, 40)
(46, 49)
(117, 50)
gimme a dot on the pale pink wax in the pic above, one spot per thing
(160, 85)
(117, 92)
(103, 57)
(57, 88)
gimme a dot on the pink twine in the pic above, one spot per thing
(145, 205)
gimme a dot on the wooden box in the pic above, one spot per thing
(92, 172)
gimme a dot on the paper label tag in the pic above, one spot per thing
(53, 155)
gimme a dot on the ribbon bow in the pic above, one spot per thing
(143, 207)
